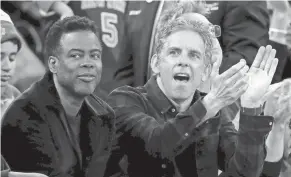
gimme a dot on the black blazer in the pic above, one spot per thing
(36, 138)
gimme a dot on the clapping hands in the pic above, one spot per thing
(252, 85)
(260, 78)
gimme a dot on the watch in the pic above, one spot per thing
(252, 111)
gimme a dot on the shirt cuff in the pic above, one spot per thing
(256, 126)
(272, 169)
(198, 109)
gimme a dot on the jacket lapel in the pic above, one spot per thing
(49, 92)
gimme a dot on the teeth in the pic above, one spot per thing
(182, 75)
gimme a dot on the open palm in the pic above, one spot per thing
(260, 77)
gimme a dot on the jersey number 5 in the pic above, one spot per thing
(108, 21)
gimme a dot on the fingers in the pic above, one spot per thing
(270, 60)
(241, 83)
(234, 78)
(215, 68)
(234, 69)
(266, 56)
(242, 89)
(273, 67)
(271, 91)
(259, 57)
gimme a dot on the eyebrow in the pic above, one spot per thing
(82, 51)
(96, 50)
(12, 53)
(190, 49)
(196, 51)
(76, 50)
(174, 48)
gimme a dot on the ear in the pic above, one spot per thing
(206, 73)
(155, 64)
(53, 64)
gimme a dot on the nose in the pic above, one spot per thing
(87, 63)
(183, 64)
(6, 64)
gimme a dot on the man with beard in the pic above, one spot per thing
(52, 128)
(167, 129)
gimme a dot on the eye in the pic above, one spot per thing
(76, 56)
(96, 56)
(12, 57)
(194, 55)
(174, 52)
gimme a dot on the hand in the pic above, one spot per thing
(261, 74)
(225, 88)
(216, 55)
(20, 174)
(278, 104)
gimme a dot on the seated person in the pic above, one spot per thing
(166, 125)
(10, 46)
(279, 106)
(52, 127)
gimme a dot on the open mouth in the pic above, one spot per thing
(182, 77)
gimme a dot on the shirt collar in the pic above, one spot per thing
(49, 92)
(159, 99)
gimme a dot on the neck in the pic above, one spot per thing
(72, 104)
(181, 105)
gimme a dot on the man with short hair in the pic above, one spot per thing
(52, 128)
(166, 128)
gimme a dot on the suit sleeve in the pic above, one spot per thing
(242, 152)
(113, 166)
(245, 27)
(25, 143)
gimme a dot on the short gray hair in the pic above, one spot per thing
(172, 21)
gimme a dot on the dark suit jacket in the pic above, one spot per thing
(37, 138)
(244, 26)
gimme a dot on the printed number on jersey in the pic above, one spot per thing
(108, 22)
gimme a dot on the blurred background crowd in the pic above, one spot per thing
(128, 28)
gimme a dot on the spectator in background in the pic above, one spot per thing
(279, 106)
(10, 46)
(287, 70)
(52, 128)
(28, 66)
(280, 14)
